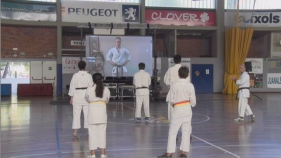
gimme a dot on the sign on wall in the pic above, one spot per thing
(70, 64)
(275, 64)
(256, 75)
(176, 17)
(99, 12)
(254, 19)
(28, 12)
(184, 62)
(274, 80)
(77, 43)
(257, 65)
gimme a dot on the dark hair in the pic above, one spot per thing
(183, 72)
(177, 59)
(97, 78)
(81, 65)
(141, 66)
(117, 38)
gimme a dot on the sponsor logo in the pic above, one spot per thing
(261, 19)
(72, 61)
(204, 17)
(89, 11)
(130, 13)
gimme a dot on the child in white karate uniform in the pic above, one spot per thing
(182, 96)
(97, 96)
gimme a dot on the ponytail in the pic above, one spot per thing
(97, 78)
(99, 89)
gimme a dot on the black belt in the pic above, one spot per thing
(81, 88)
(239, 90)
(141, 87)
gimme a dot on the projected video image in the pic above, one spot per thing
(118, 56)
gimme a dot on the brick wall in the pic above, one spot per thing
(66, 44)
(36, 42)
(160, 44)
(186, 46)
(259, 48)
(252, 49)
(263, 46)
(190, 46)
(66, 40)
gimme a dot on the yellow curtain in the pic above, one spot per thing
(237, 43)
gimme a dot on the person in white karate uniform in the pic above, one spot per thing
(97, 97)
(182, 96)
(171, 77)
(142, 81)
(79, 83)
(118, 57)
(243, 84)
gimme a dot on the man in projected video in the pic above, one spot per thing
(118, 57)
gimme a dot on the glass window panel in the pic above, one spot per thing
(36, 0)
(14, 73)
(205, 4)
(15, 70)
(253, 4)
(120, 1)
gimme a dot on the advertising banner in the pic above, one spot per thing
(177, 17)
(274, 80)
(257, 65)
(99, 12)
(254, 19)
(70, 64)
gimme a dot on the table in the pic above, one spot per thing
(128, 87)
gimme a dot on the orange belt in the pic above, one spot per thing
(182, 103)
(97, 102)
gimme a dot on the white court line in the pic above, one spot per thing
(208, 118)
(53, 153)
(128, 106)
(216, 146)
(109, 150)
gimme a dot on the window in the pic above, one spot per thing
(14, 73)
(120, 1)
(28, 11)
(252, 4)
(37, 0)
(206, 4)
